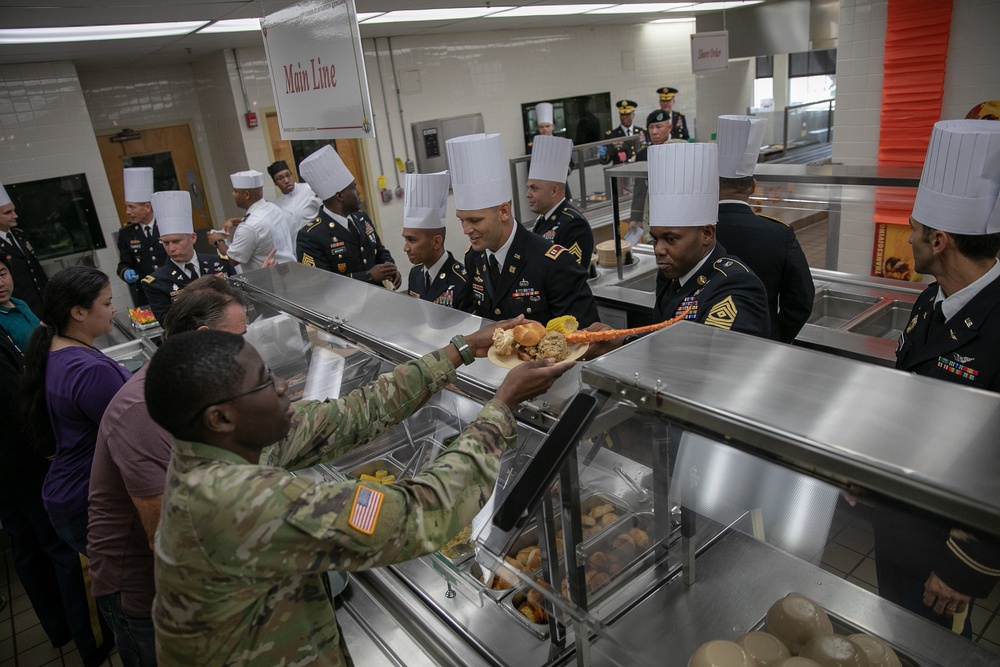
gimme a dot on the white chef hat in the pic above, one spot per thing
(740, 138)
(4, 197)
(172, 209)
(961, 179)
(138, 184)
(683, 185)
(247, 180)
(325, 172)
(550, 158)
(543, 113)
(480, 176)
(425, 202)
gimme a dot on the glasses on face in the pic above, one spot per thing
(268, 382)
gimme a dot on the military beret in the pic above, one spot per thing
(626, 106)
(658, 116)
(277, 168)
(666, 93)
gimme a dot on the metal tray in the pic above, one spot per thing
(626, 561)
(370, 467)
(540, 630)
(429, 421)
(842, 626)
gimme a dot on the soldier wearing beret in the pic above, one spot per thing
(513, 271)
(139, 249)
(658, 129)
(624, 152)
(558, 220)
(436, 276)
(29, 276)
(173, 210)
(341, 239)
(243, 544)
(677, 121)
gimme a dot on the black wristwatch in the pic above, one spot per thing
(463, 349)
(218, 241)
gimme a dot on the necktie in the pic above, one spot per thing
(427, 281)
(147, 232)
(494, 270)
(191, 271)
(354, 230)
(938, 312)
(673, 288)
(11, 241)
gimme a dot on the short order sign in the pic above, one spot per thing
(318, 71)
(709, 51)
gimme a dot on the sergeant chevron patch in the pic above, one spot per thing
(723, 314)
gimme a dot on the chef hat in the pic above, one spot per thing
(325, 172)
(543, 113)
(550, 158)
(4, 197)
(172, 209)
(247, 180)
(425, 202)
(740, 138)
(683, 185)
(961, 178)
(480, 176)
(277, 167)
(138, 184)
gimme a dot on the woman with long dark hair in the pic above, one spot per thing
(67, 385)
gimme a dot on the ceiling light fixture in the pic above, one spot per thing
(547, 10)
(364, 16)
(445, 14)
(687, 20)
(643, 8)
(232, 25)
(93, 33)
(716, 6)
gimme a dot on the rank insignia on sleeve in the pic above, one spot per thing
(148, 280)
(308, 260)
(723, 314)
(554, 251)
(365, 509)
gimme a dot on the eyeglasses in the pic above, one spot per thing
(268, 382)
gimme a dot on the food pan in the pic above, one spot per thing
(511, 604)
(370, 468)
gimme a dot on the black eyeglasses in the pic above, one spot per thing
(268, 382)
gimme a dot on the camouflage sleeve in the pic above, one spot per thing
(290, 524)
(327, 429)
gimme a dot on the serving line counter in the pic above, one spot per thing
(660, 496)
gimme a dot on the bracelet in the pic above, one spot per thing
(463, 349)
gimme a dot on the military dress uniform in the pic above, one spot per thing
(325, 244)
(769, 247)
(167, 281)
(450, 287)
(538, 279)
(624, 152)
(242, 549)
(723, 293)
(678, 126)
(141, 254)
(567, 227)
(29, 276)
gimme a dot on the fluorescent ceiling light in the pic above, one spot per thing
(643, 8)
(364, 16)
(716, 6)
(687, 20)
(232, 25)
(93, 33)
(548, 10)
(446, 14)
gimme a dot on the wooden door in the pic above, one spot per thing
(170, 151)
(294, 152)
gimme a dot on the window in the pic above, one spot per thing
(812, 76)
(763, 85)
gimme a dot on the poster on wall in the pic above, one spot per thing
(893, 254)
(318, 71)
(709, 51)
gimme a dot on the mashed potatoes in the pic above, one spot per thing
(552, 346)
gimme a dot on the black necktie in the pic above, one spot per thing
(191, 271)
(938, 315)
(354, 230)
(673, 288)
(11, 241)
(147, 232)
(427, 281)
(494, 270)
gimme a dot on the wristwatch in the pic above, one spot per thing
(463, 349)
(218, 241)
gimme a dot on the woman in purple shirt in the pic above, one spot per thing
(67, 385)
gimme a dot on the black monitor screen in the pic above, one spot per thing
(57, 215)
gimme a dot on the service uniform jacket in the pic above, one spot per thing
(243, 549)
(628, 148)
(678, 126)
(140, 255)
(724, 293)
(567, 227)
(167, 281)
(538, 279)
(450, 287)
(770, 249)
(29, 276)
(963, 350)
(325, 244)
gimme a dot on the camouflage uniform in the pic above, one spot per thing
(242, 548)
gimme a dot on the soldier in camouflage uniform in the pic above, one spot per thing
(243, 545)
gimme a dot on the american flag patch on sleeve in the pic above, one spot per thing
(365, 509)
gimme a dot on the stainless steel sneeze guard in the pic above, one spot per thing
(917, 440)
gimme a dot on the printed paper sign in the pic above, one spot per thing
(709, 51)
(318, 71)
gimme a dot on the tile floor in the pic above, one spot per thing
(849, 553)
(23, 643)
(812, 238)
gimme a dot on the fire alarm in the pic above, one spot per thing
(251, 120)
